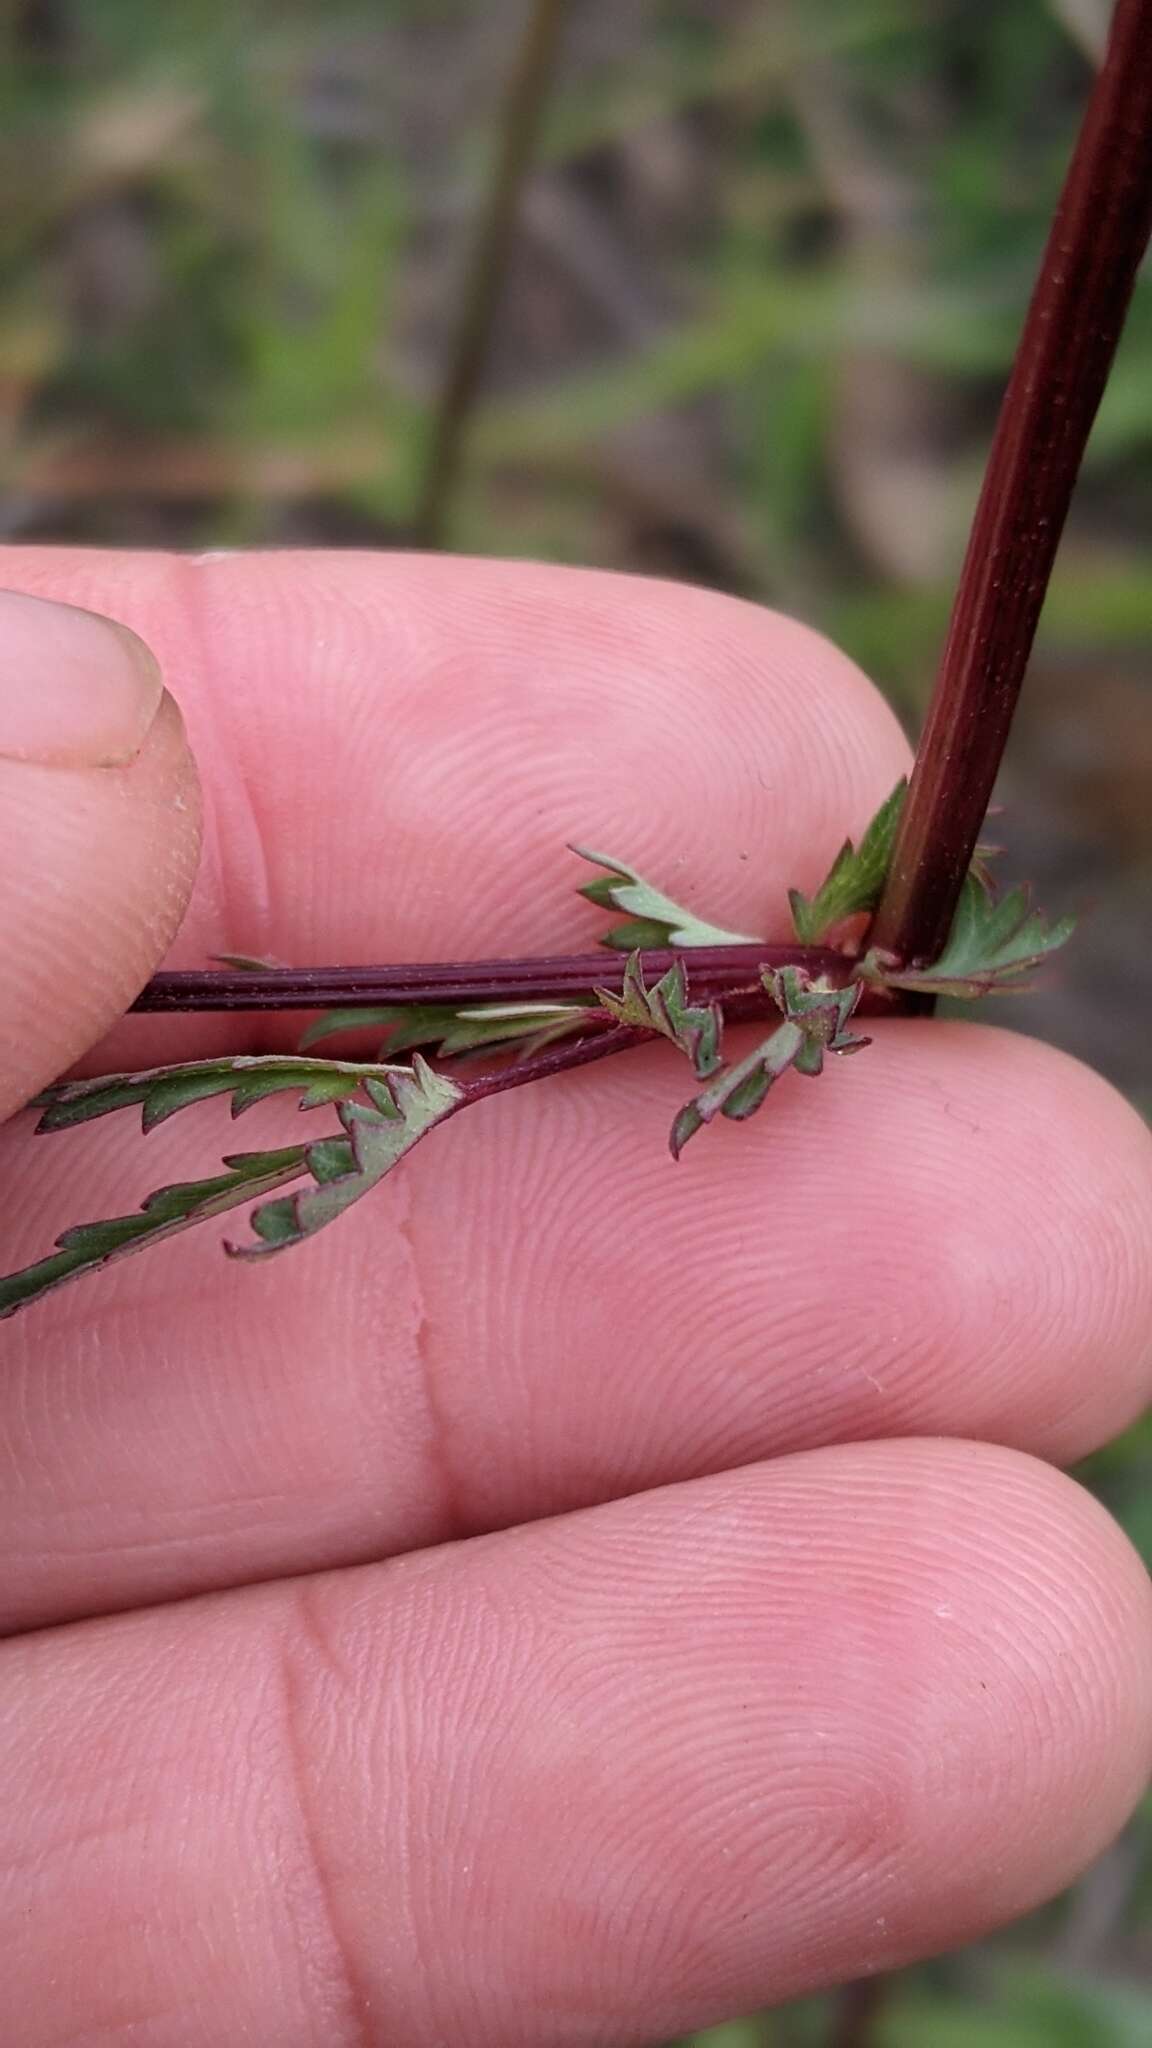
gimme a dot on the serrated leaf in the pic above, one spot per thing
(856, 878)
(162, 1091)
(88, 1246)
(403, 1025)
(452, 1031)
(404, 1107)
(333, 1022)
(815, 1021)
(490, 1025)
(821, 1011)
(994, 943)
(166, 1097)
(402, 1104)
(664, 1007)
(654, 921)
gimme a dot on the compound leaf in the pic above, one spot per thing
(653, 921)
(664, 1007)
(453, 1031)
(402, 1108)
(88, 1246)
(854, 881)
(995, 942)
(162, 1091)
(402, 1104)
(815, 1023)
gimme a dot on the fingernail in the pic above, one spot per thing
(77, 690)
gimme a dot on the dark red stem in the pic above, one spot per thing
(713, 971)
(1098, 237)
(860, 2010)
(555, 1059)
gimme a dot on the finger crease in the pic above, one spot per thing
(247, 912)
(346, 1996)
(452, 1521)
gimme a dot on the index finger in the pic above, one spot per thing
(397, 750)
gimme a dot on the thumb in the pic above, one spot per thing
(99, 832)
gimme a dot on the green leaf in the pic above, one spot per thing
(403, 1024)
(88, 1246)
(403, 1107)
(856, 878)
(454, 1031)
(402, 1104)
(653, 919)
(815, 1019)
(994, 943)
(162, 1091)
(246, 963)
(498, 1024)
(665, 1008)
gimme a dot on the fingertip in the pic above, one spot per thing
(1041, 1610)
(803, 1720)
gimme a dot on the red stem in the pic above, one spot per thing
(712, 970)
(555, 1060)
(1097, 240)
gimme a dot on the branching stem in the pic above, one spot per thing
(555, 1059)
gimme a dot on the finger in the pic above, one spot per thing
(98, 832)
(398, 750)
(599, 1781)
(545, 1311)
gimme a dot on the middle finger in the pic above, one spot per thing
(531, 1317)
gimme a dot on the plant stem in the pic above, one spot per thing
(555, 1060)
(519, 126)
(1070, 334)
(712, 971)
(859, 2009)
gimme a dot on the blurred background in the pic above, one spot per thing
(770, 262)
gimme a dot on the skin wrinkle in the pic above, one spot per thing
(349, 2002)
(249, 876)
(440, 1518)
(452, 1521)
(504, 1289)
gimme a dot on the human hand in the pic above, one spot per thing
(625, 1594)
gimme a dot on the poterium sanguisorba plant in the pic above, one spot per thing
(909, 914)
